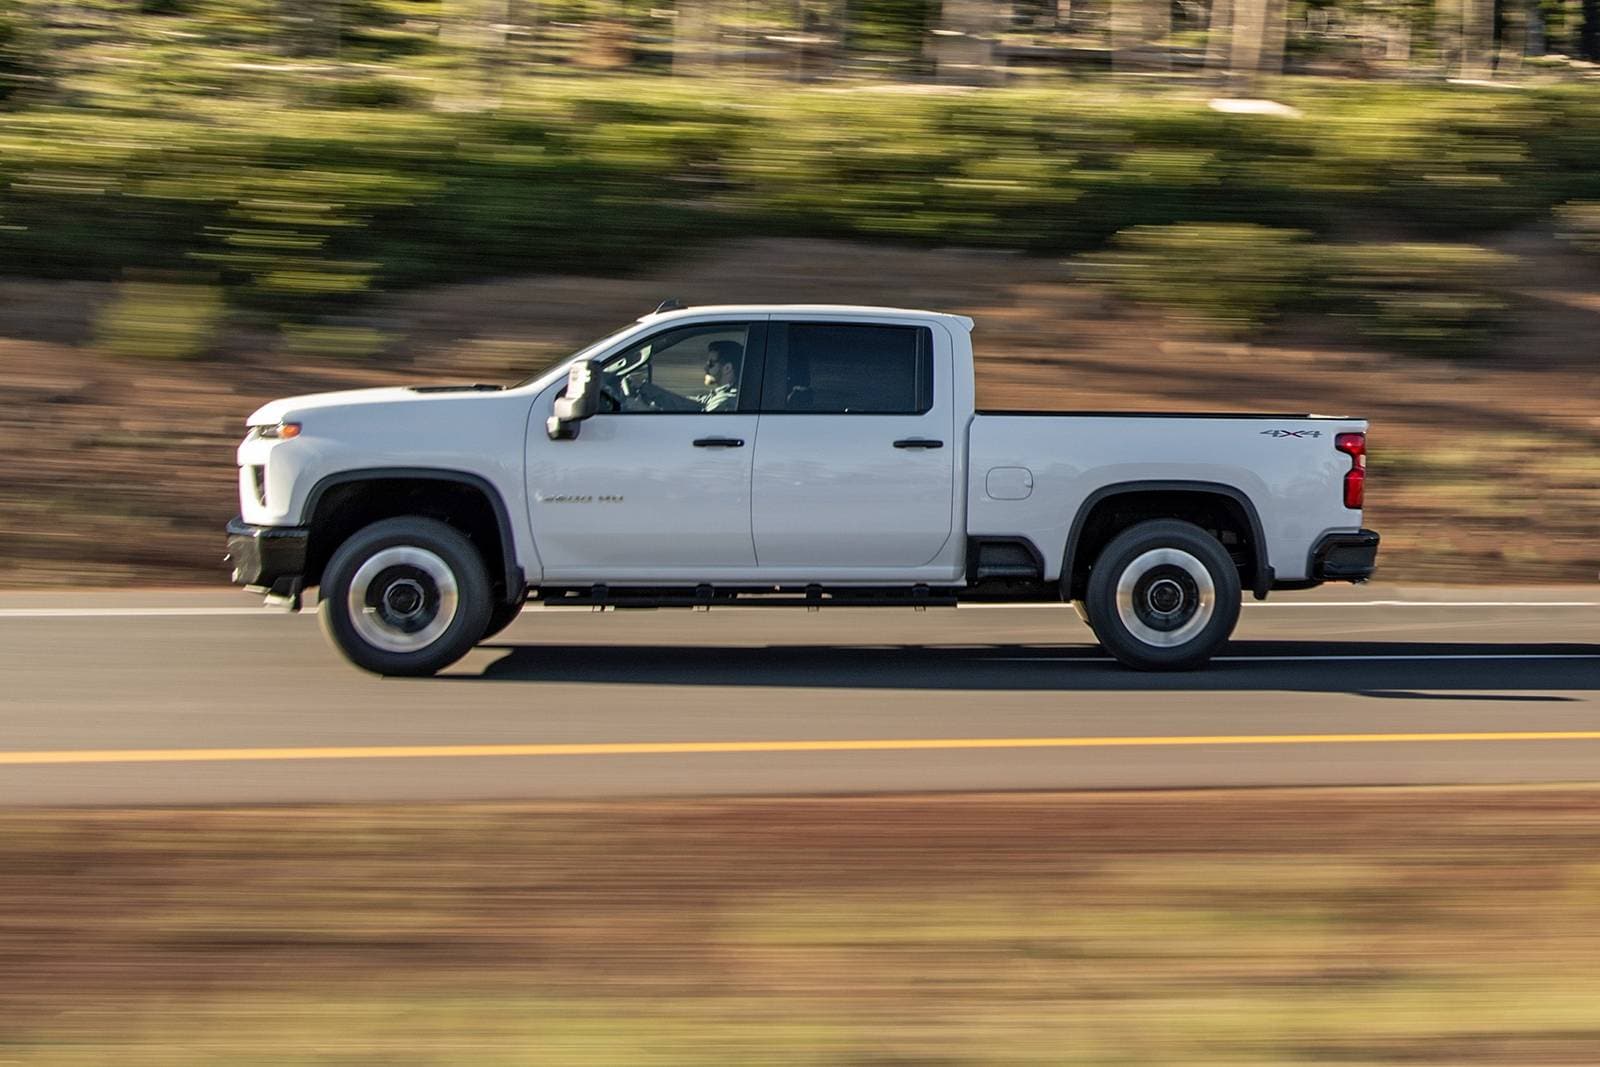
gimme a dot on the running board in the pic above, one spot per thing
(706, 596)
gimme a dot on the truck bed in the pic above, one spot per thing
(1030, 473)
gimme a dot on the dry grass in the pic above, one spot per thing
(1375, 927)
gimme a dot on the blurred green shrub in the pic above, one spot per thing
(1429, 299)
(23, 64)
(334, 340)
(1432, 299)
(892, 30)
(372, 92)
(1019, 169)
(305, 211)
(160, 320)
(1440, 162)
(1578, 222)
(1233, 277)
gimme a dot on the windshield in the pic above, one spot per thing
(582, 353)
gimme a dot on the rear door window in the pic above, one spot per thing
(848, 369)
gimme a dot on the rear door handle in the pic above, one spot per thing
(917, 442)
(719, 442)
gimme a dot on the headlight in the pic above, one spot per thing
(280, 430)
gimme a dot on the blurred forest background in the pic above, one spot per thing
(1384, 207)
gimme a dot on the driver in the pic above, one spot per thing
(722, 376)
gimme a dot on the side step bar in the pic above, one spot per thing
(705, 596)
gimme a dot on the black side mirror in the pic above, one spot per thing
(581, 400)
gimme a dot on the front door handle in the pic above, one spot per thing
(719, 442)
(918, 442)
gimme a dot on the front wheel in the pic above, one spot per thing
(1163, 596)
(501, 616)
(406, 596)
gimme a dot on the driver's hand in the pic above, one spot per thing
(636, 389)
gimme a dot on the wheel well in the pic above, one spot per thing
(1221, 515)
(341, 509)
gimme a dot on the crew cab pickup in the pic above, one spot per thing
(811, 456)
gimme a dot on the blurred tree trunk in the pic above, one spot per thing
(1219, 37)
(476, 31)
(1589, 35)
(963, 46)
(1139, 32)
(1477, 38)
(476, 25)
(310, 27)
(522, 24)
(1538, 41)
(1397, 44)
(1466, 28)
(694, 36)
(1510, 35)
(1255, 44)
(1244, 43)
(1274, 35)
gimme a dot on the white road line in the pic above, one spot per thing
(128, 613)
(1428, 604)
(1345, 604)
(1309, 659)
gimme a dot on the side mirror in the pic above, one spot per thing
(582, 399)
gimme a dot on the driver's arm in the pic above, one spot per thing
(648, 396)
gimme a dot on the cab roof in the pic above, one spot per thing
(848, 311)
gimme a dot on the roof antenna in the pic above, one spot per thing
(671, 303)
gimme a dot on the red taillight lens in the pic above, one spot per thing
(1354, 445)
(1355, 489)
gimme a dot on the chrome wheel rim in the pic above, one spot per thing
(1165, 597)
(402, 599)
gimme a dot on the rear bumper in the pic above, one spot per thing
(267, 557)
(1344, 557)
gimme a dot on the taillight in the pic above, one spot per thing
(1354, 445)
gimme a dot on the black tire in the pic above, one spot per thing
(421, 583)
(1148, 600)
(501, 615)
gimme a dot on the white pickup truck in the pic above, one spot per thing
(814, 456)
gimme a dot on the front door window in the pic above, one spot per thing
(690, 370)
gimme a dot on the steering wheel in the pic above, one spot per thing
(613, 392)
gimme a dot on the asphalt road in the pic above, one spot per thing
(186, 698)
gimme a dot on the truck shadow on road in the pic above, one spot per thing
(1380, 669)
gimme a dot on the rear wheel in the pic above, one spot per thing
(1163, 596)
(406, 596)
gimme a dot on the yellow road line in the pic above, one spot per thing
(670, 748)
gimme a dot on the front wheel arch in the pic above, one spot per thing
(341, 504)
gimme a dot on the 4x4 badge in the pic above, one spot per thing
(1291, 433)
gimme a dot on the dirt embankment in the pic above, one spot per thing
(121, 471)
(1238, 928)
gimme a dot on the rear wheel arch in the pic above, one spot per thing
(1111, 509)
(341, 504)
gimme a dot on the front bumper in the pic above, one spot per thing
(270, 558)
(1345, 557)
